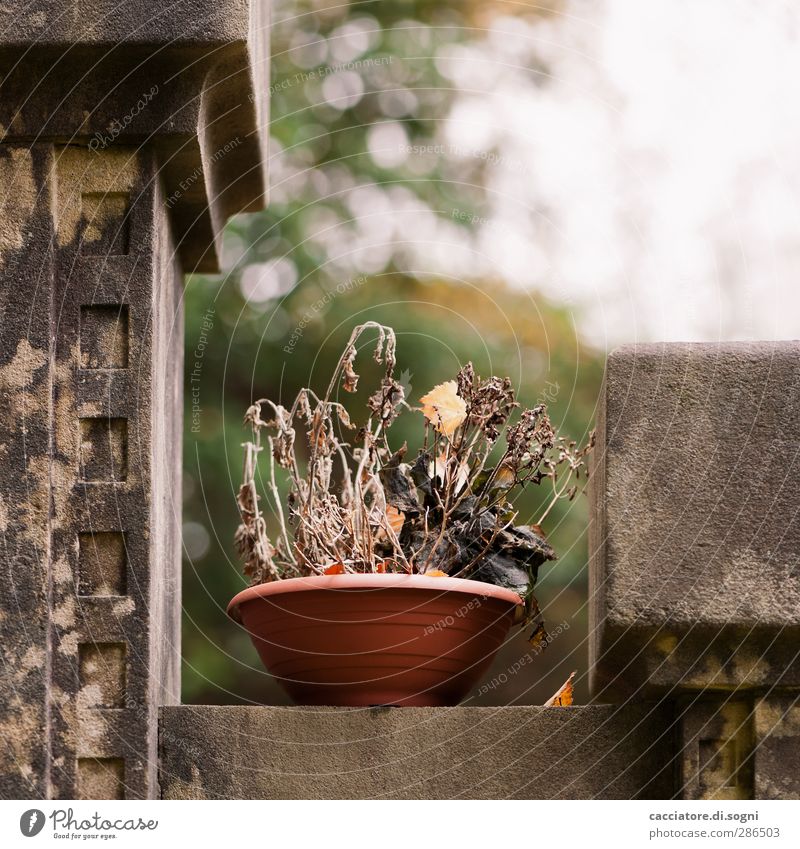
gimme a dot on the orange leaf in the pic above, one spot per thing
(538, 639)
(335, 569)
(444, 408)
(381, 566)
(396, 518)
(436, 573)
(563, 697)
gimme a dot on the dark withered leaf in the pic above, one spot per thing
(477, 528)
(420, 475)
(502, 571)
(533, 617)
(253, 415)
(283, 448)
(304, 407)
(525, 545)
(397, 458)
(378, 352)
(447, 554)
(465, 508)
(398, 486)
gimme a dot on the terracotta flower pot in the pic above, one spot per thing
(376, 639)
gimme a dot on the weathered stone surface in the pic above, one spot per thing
(105, 22)
(739, 746)
(189, 80)
(25, 236)
(716, 748)
(89, 468)
(777, 747)
(413, 753)
(102, 724)
(128, 135)
(695, 578)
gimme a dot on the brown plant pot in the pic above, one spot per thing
(375, 639)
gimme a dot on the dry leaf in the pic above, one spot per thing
(444, 408)
(504, 478)
(395, 517)
(334, 569)
(563, 697)
(436, 573)
(349, 377)
(439, 468)
(538, 639)
(537, 529)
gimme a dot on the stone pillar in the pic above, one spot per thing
(695, 577)
(127, 138)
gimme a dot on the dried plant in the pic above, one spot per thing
(361, 507)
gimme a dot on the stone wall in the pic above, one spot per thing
(694, 541)
(117, 174)
(99, 380)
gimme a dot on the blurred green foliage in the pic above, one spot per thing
(305, 271)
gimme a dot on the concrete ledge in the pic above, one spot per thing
(582, 752)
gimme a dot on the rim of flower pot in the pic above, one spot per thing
(370, 580)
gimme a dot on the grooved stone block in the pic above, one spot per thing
(106, 223)
(101, 778)
(102, 675)
(777, 751)
(102, 564)
(717, 744)
(582, 752)
(694, 541)
(92, 629)
(25, 507)
(107, 111)
(104, 449)
(104, 337)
